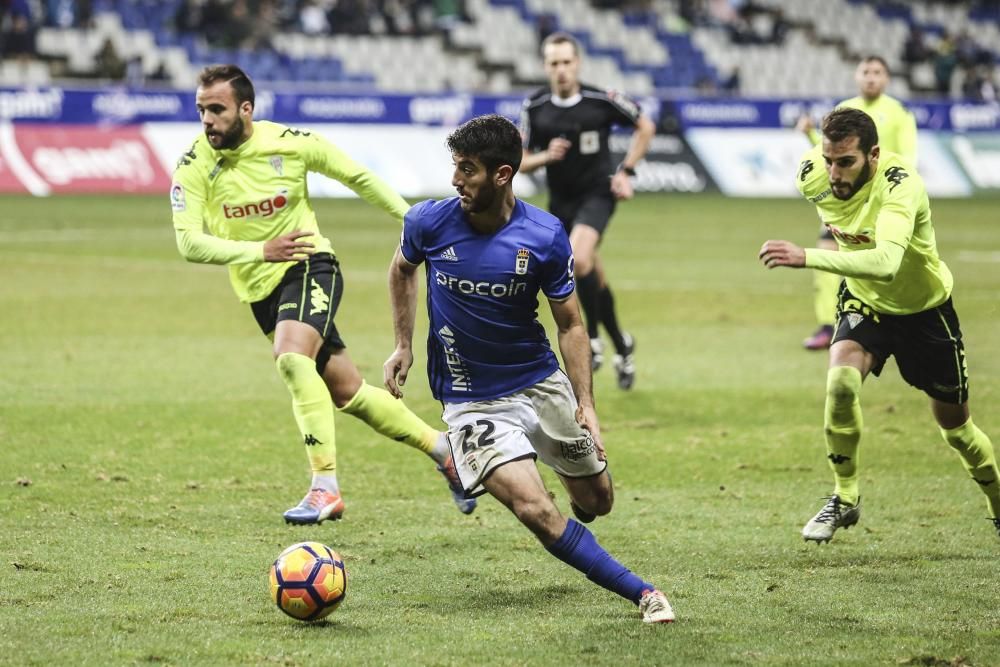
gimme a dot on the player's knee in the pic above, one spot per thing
(843, 388)
(603, 502)
(293, 366)
(583, 264)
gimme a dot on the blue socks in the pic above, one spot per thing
(577, 547)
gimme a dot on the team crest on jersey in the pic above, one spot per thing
(521, 265)
(278, 163)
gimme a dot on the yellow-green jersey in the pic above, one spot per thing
(256, 192)
(897, 128)
(888, 253)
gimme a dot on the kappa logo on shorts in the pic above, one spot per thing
(854, 319)
(318, 298)
(574, 451)
(287, 306)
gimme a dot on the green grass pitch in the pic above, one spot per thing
(147, 450)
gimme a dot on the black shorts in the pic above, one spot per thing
(927, 345)
(309, 292)
(825, 234)
(592, 210)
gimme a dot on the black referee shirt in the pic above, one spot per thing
(585, 120)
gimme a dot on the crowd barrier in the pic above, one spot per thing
(55, 140)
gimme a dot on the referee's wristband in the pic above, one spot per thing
(629, 171)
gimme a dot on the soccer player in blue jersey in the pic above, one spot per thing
(506, 401)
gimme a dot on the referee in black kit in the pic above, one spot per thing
(566, 128)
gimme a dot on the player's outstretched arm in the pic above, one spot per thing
(326, 158)
(403, 297)
(782, 253)
(574, 346)
(879, 263)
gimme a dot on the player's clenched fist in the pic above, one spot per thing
(782, 253)
(557, 149)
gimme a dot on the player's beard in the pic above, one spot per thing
(483, 200)
(858, 183)
(231, 138)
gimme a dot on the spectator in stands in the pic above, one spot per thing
(350, 17)
(213, 18)
(400, 16)
(694, 12)
(979, 84)
(966, 49)
(264, 23)
(915, 49)
(109, 65)
(188, 16)
(706, 86)
(780, 27)
(237, 32)
(19, 25)
(313, 18)
(944, 62)
(447, 13)
(545, 26)
(135, 75)
(731, 85)
(68, 13)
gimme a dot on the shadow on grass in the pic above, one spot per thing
(492, 598)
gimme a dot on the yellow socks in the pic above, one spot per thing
(842, 426)
(826, 287)
(976, 451)
(313, 410)
(390, 417)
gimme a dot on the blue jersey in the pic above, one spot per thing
(485, 340)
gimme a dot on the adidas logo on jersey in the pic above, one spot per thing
(449, 255)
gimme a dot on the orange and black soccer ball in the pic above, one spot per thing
(308, 581)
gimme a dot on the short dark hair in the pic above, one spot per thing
(491, 139)
(237, 78)
(872, 58)
(562, 38)
(844, 122)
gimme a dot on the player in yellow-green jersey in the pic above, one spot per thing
(239, 198)
(897, 132)
(895, 301)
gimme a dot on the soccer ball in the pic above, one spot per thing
(308, 581)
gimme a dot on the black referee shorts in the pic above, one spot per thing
(592, 209)
(927, 345)
(309, 292)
